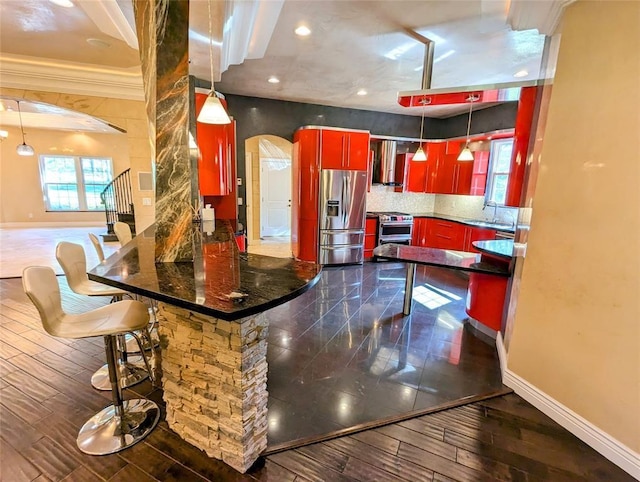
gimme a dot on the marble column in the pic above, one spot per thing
(163, 37)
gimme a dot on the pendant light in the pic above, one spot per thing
(212, 111)
(23, 149)
(466, 154)
(420, 155)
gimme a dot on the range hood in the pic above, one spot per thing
(384, 166)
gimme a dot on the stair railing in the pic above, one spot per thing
(118, 201)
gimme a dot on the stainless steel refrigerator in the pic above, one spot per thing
(342, 216)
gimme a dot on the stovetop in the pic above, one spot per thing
(387, 216)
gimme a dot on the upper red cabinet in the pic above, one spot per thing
(215, 144)
(420, 176)
(344, 149)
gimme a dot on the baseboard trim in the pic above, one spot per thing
(605, 444)
(502, 354)
(62, 224)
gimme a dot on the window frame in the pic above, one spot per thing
(492, 173)
(80, 182)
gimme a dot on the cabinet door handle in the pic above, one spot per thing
(348, 150)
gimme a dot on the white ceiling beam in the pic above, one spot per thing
(109, 18)
(544, 15)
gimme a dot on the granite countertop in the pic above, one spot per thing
(502, 248)
(444, 258)
(207, 285)
(508, 228)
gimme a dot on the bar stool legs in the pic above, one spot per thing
(129, 374)
(122, 424)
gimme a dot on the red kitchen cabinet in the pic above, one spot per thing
(479, 175)
(344, 149)
(446, 235)
(521, 139)
(476, 234)
(420, 232)
(216, 147)
(305, 172)
(419, 176)
(370, 237)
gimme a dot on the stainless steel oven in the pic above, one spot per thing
(395, 228)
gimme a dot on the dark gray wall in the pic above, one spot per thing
(257, 116)
(495, 118)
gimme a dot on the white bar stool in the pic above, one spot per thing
(125, 422)
(72, 259)
(131, 347)
(123, 232)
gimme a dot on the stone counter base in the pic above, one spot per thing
(215, 383)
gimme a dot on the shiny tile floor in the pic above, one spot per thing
(342, 355)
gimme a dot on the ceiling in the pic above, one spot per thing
(46, 116)
(371, 45)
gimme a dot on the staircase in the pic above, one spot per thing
(118, 204)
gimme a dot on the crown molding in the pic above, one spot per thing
(22, 72)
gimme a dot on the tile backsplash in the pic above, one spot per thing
(384, 198)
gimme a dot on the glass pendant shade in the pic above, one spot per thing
(419, 155)
(465, 154)
(24, 150)
(213, 111)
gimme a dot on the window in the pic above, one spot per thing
(499, 165)
(73, 183)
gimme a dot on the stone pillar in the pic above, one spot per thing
(215, 383)
(163, 37)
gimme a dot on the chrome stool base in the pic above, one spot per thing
(107, 433)
(132, 344)
(128, 376)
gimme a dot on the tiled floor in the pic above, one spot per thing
(22, 247)
(276, 246)
(342, 355)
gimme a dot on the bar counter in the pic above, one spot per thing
(221, 281)
(213, 326)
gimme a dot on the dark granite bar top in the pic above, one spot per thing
(444, 258)
(221, 282)
(502, 248)
(507, 228)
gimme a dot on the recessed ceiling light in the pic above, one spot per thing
(274, 80)
(96, 42)
(302, 31)
(362, 92)
(521, 73)
(63, 3)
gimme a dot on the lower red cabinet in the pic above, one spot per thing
(442, 234)
(370, 237)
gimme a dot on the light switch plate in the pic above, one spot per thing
(146, 201)
(239, 201)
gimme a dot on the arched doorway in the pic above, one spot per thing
(268, 168)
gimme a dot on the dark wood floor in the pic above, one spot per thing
(45, 396)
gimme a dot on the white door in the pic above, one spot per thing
(275, 197)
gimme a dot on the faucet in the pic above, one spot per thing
(494, 206)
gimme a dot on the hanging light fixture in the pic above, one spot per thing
(212, 111)
(23, 149)
(466, 154)
(420, 155)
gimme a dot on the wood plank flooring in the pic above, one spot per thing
(45, 396)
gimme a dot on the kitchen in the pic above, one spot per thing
(379, 131)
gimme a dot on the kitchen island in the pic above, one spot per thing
(444, 258)
(213, 333)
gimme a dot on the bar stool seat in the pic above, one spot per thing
(73, 261)
(123, 423)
